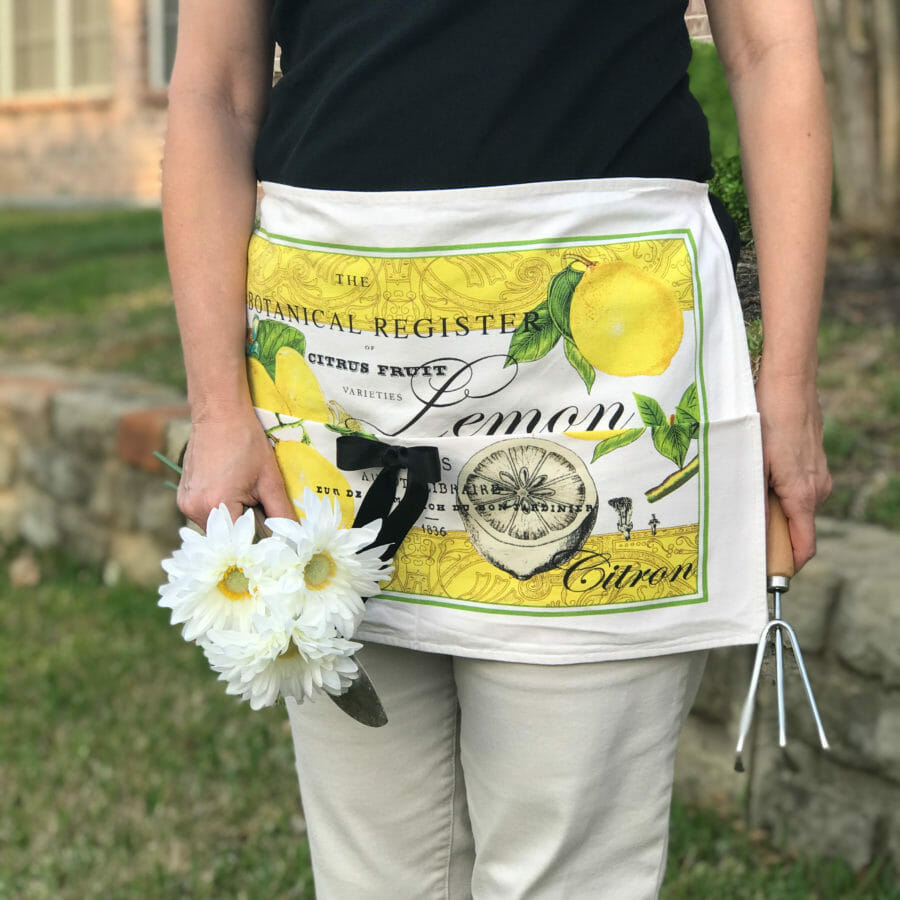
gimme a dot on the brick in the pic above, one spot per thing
(141, 433)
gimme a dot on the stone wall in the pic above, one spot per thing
(77, 472)
(845, 608)
(77, 469)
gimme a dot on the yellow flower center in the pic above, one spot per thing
(234, 584)
(319, 571)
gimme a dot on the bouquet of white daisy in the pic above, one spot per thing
(275, 613)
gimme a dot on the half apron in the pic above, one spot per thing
(576, 354)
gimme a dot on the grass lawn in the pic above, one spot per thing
(126, 772)
(89, 289)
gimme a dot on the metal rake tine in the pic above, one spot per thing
(779, 686)
(801, 666)
(750, 700)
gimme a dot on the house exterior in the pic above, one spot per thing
(83, 97)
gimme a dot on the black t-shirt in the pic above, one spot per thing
(420, 94)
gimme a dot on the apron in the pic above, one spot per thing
(557, 372)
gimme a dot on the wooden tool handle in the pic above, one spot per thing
(779, 552)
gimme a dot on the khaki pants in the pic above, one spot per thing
(495, 780)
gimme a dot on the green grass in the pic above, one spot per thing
(88, 289)
(859, 377)
(126, 772)
(710, 858)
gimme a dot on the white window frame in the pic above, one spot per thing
(63, 44)
(157, 77)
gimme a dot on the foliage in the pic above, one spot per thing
(709, 86)
(728, 185)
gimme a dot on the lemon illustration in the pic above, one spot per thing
(302, 466)
(625, 321)
(295, 391)
(296, 382)
(527, 505)
(592, 435)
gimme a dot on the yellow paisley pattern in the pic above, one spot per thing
(292, 281)
(607, 570)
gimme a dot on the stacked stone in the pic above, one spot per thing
(845, 802)
(77, 469)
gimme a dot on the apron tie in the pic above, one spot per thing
(423, 466)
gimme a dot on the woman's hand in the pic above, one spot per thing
(229, 460)
(793, 456)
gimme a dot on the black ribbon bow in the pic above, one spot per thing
(423, 466)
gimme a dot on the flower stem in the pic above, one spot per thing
(168, 462)
(675, 480)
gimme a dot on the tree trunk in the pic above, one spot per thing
(860, 48)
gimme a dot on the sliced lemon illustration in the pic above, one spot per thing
(302, 466)
(527, 505)
(625, 321)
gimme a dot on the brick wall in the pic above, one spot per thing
(103, 148)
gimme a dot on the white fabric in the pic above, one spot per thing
(495, 781)
(378, 283)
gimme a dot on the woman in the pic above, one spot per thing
(453, 173)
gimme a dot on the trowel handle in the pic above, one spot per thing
(779, 552)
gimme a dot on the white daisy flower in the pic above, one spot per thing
(217, 580)
(287, 658)
(333, 572)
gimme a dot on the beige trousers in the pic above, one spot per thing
(495, 780)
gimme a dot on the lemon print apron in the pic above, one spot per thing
(548, 382)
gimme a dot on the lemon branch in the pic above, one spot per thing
(297, 424)
(675, 480)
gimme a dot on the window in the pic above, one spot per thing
(162, 25)
(54, 46)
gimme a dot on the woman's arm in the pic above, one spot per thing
(770, 53)
(217, 100)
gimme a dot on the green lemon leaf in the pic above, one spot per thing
(688, 409)
(580, 364)
(559, 298)
(622, 439)
(272, 336)
(651, 412)
(672, 441)
(535, 337)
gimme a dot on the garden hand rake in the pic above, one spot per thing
(779, 571)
